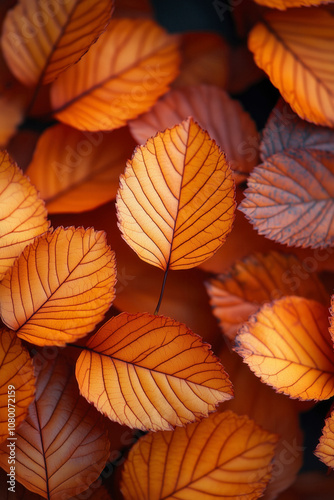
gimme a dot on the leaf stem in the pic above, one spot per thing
(162, 291)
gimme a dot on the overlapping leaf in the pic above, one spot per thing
(290, 198)
(212, 108)
(223, 456)
(62, 446)
(287, 46)
(288, 346)
(331, 328)
(76, 171)
(325, 447)
(150, 372)
(284, 130)
(60, 287)
(142, 60)
(286, 4)
(259, 278)
(23, 214)
(41, 39)
(176, 199)
(17, 382)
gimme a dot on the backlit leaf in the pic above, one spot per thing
(41, 39)
(150, 372)
(286, 4)
(76, 171)
(62, 446)
(23, 214)
(223, 456)
(325, 447)
(176, 199)
(290, 198)
(331, 328)
(222, 117)
(60, 287)
(259, 278)
(288, 346)
(143, 60)
(286, 45)
(17, 382)
(285, 130)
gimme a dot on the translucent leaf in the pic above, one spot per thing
(143, 60)
(17, 383)
(223, 456)
(286, 4)
(331, 328)
(325, 447)
(60, 287)
(285, 130)
(222, 117)
(150, 372)
(62, 446)
(290, 198)
(287, 345)
(41, 39)
(76, 171)
(23, 214)
(176, 202)
(286, 45)
(259, 278)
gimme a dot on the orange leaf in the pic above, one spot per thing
(84, 167)
(223, 456)
(176, 202)
(23, 215)
(143, 60)
(60, 287)
(41, 39)
(222, 117)
(286, 45)
(62, 446)
(150, 372)
(257, 279)
(286, 4)
(290, 198)
(285, 130)
(17, 382)
(287, 345)
(325, 447)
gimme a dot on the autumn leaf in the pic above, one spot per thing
(325, 448)
(60, 287)
(143, 60)
(150, 372)
(286, 45)
(287, 345)
(212, 108)
(61, 447)
(175, 204)
(331, 328)
(41, 39)
(274, 412)
(290, 198)
(23, 214)
(17, 382)
(223, 456)
(284, 130)
(259, 278)
(83, 167)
